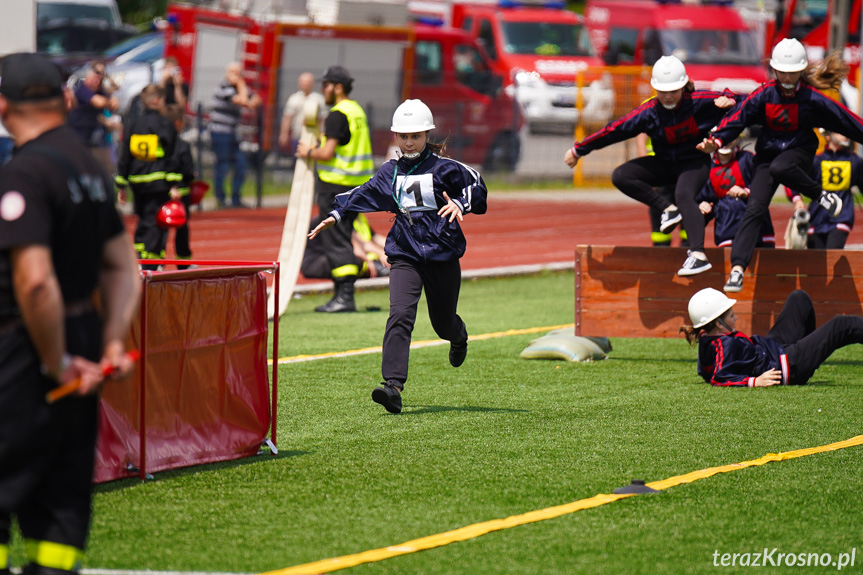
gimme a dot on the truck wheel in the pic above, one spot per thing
(504, 153)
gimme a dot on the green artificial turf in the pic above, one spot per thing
(502, 436)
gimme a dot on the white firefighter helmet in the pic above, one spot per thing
(789, 55)
(707, 305)
(412, 116)
(669, 74)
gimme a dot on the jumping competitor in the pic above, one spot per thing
(677, 119)
(788, 109)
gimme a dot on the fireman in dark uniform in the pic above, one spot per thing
(147, 165)
(61, 242)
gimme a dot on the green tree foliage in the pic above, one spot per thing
(141, 12)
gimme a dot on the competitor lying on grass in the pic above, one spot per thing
(788, 355)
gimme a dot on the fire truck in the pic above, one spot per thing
(822, 27)
(390, 59)
(711, 38)
(539, 48)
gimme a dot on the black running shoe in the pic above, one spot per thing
(457, 353)
(389, 396)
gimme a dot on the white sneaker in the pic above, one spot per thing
(669, 220)
(695, 264)
(734, 283)
(831, 202)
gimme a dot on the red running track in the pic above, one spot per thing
(519, 229)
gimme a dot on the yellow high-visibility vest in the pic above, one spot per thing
(352, 165)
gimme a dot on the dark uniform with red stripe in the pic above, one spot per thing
(785, 148)
(793, 346)
(676, 161)
(727, 211)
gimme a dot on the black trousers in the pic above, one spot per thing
(150, 239)
(833, 240)
(790, 168)
(46, 451)
(637, 179)
(336, 241)
(181, 234)
(442, 283)
(806, 346)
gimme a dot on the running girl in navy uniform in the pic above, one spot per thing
(677, 119)
(428, 193)
(788, 355)
(838, 169)
(787, 108)
(725, 194)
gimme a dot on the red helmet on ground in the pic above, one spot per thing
(197, 191)
(172, 214)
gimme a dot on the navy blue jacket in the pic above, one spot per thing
(727, 211)
(414, 192)
(788, 121)
(735, 359)
(838, 171)
(673, 133)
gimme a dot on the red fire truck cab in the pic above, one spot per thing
(711, 39)
(444, 68)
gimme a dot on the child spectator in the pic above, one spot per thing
(838, 169)
(724, 196)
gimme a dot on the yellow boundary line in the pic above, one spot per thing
(478, 529)
(416, 344)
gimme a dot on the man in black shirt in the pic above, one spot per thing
(62, 248)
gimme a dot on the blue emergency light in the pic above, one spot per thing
(435, 21)
(550, 4)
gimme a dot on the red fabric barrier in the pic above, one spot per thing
(206, 394)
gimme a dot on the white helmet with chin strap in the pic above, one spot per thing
(708, 305)
(412, 116)
(789, 55)
(669, 74)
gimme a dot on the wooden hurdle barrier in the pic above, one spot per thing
(636, 292)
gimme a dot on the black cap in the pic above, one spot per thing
(27, 77)
(337, 75)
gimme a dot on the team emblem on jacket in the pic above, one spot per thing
(782, 117)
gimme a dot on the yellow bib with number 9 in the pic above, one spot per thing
(144, 147)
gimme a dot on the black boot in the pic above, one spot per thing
(343, 296)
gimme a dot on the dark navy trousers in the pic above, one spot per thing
(408, 279)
